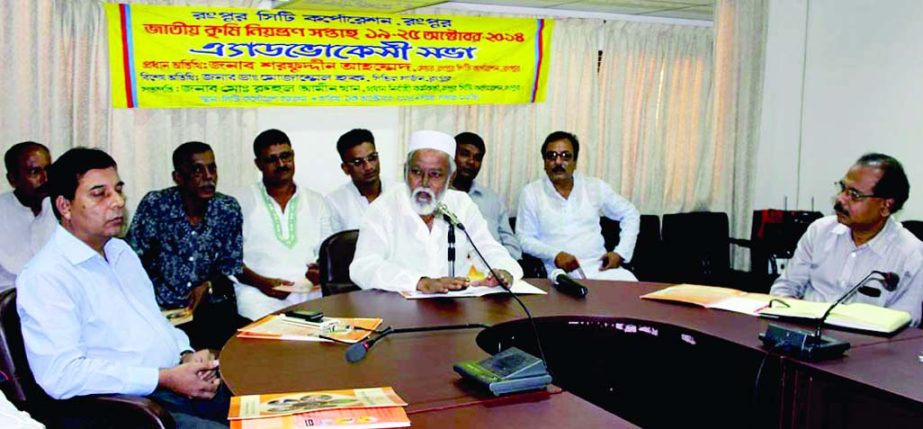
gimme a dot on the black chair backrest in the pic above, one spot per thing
(696, 247)
(915, 227)
(611, 229)
(336, 253)
(21, 385)
(774, 234)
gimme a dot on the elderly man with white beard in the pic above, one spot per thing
(403, 241)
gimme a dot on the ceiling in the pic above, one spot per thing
(679, 9)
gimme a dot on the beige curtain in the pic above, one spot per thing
(740, 34)
(667, 114)
(56, 91)
(654, 116)
(637, 95)
(514, 132)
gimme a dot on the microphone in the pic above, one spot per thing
(888, 279)
(812, 345)
(449, 217)
(564, 284)
(358, 351)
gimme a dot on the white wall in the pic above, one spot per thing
(314, 132)
(863, 92)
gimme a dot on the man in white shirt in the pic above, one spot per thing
(403, 241)
(469, 153)
(349, 202)
(26, 218)
(90, 322)
(284, 225)
(558, 217)
(838, 251)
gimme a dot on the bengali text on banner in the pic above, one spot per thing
(172, 56)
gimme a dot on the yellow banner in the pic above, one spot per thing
(170, 56)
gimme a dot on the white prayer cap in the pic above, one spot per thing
(427, 139)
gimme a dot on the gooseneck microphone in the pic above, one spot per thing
(889, 280)
(449, 217)
(564, 284)
(357, 351)
(812, 345)
(452, 219)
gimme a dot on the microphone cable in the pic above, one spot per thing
(509, 290)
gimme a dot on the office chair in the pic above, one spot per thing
(336, 253)
(915, 227)
(532, 267)
(774, 235)
(644, 263)
(696, 248)
(95, 411)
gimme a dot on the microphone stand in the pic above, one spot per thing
(812, 345)
(851, 292)
(357, 351)
(506, 287)
(451, 248)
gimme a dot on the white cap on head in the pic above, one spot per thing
(436, 140)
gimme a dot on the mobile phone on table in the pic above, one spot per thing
(309, 315)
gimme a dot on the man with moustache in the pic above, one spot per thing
(189, 239)
(360, 162)
(469, 153)
(90, 323)
(836, 252)
(403, 242)
(558, 218)
(27, 218)
(284, 225)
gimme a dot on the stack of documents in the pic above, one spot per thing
(858, 316)
(281, 327)
(371, 408)
(718, 298)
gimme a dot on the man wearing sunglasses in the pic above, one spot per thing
(284, 225)
(838, 251)
(360, 162)
(558, 217)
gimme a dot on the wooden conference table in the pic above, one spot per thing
(620, 360)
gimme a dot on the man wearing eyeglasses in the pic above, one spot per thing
(558, 217)
(284, 225)
(403, 241)
(360, 162)
(838, 251)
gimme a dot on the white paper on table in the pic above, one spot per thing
(520, 287)
(741, 304)
(300, 286)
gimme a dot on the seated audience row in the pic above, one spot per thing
(90, 303)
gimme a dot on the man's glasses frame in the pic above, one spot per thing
(551, 155)
(286, 156)
(853, 194)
